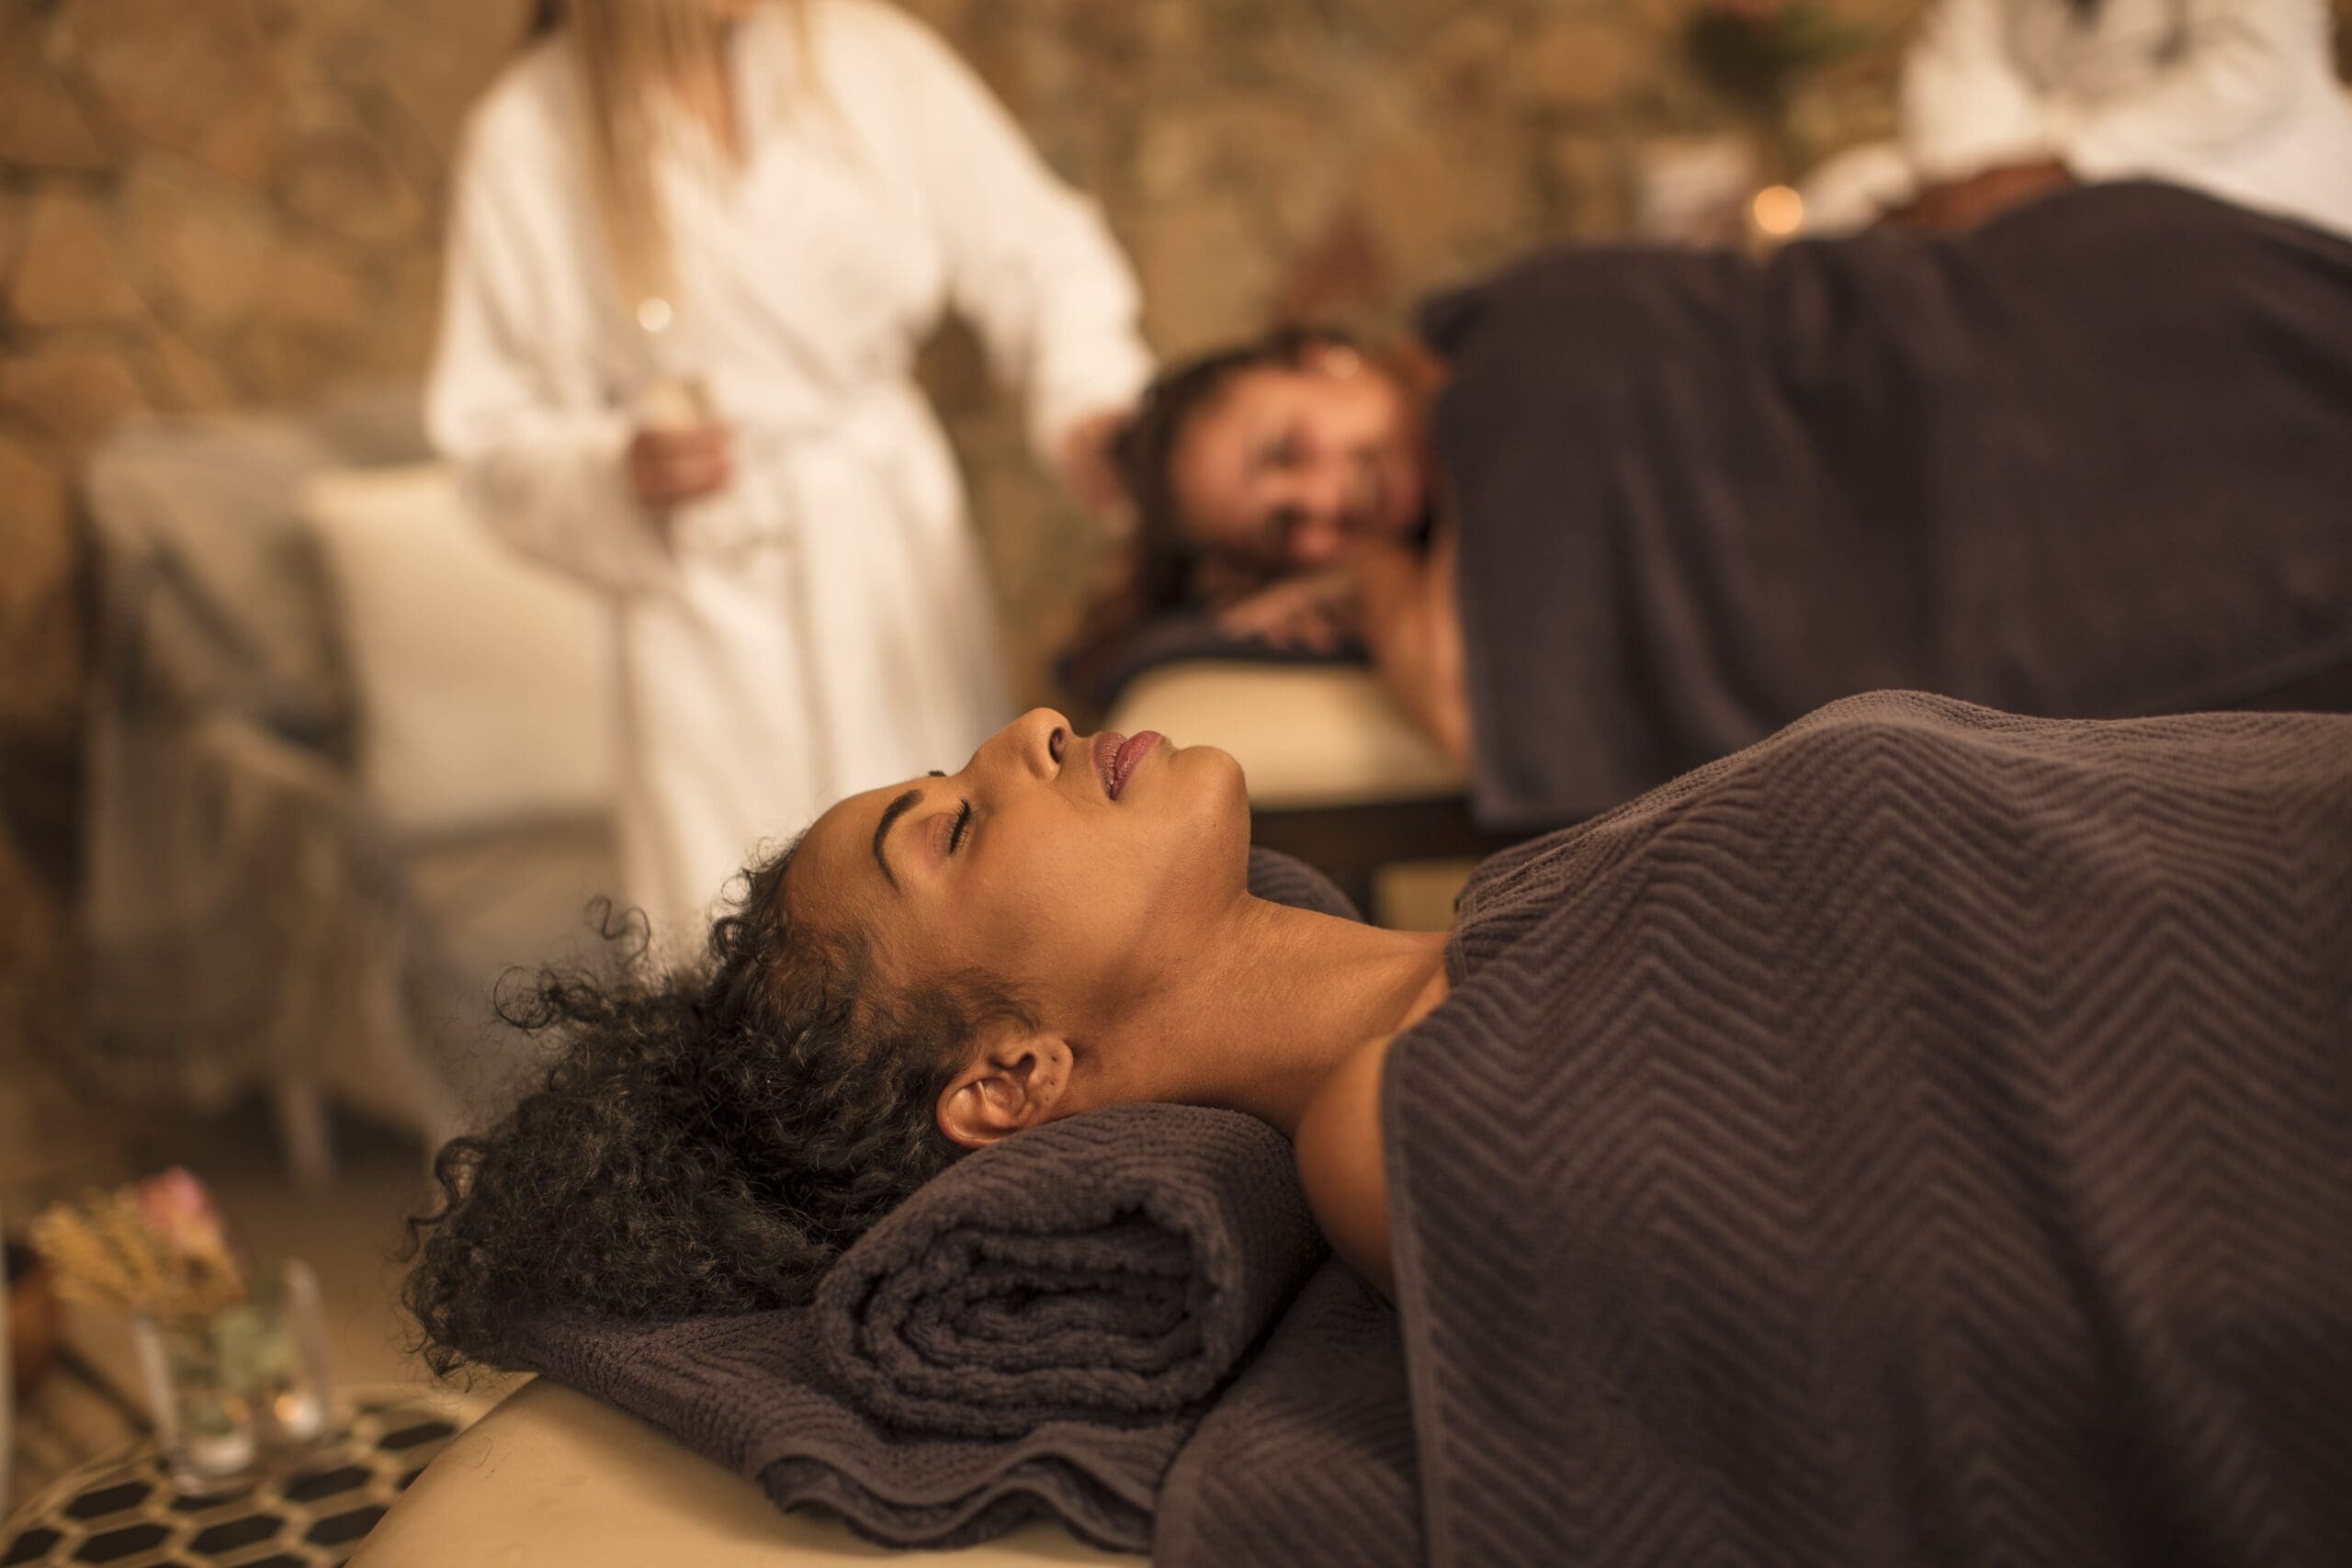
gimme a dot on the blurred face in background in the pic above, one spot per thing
(1286, 466)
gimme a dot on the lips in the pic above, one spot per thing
(1116, 756)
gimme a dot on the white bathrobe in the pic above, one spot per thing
(2237, 99)
(824, 625)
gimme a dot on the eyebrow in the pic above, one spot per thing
(891, 814)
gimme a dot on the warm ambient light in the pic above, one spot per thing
(1778, 211)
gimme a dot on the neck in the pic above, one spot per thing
(1260, 1021)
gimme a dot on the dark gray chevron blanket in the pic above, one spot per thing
(2090, 460)
(1924, 1137)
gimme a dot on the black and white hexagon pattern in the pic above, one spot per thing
(312, 1514)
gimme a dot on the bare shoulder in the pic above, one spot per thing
(1340, 1163)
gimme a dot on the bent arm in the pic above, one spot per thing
(1342, 1165)
(1412, 625)
(2230, 81)
(1029, 260)
(1966, 106)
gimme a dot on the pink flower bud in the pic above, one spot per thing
(179, 1212)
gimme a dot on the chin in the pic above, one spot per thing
(1226, 779)
(1217, 803)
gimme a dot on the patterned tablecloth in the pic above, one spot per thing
(120, 1510)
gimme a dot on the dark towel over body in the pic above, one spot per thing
(1924, 1138)
(2094, 459)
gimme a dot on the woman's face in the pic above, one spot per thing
(1071, 870)
(1286, 466)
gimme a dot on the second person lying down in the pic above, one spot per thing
(1617, 512)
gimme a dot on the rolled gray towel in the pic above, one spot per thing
(1050, 1363)
(1113, 1267)
(1036, 1332)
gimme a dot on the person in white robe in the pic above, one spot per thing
(728, 443)
(2005, 99)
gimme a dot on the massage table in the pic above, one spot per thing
(1338, 775)
(549, 1476)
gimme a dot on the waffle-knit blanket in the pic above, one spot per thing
(1034, 1334)
(2089, 461)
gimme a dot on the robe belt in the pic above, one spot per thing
(880, 427)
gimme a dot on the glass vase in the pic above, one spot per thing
(229, 1390)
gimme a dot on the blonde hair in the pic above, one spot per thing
(638, 57)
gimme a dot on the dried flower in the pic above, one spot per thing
(155, 1247)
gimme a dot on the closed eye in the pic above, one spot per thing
(956, 834)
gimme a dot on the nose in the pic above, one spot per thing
(1036, 743)
(1319, 510)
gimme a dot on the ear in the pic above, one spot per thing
(1017, 1081)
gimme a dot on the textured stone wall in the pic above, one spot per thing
(208, 203)
(205, 203)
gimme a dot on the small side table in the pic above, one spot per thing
(119, 1511)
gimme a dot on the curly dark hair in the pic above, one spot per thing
(1160, 571)
(705, 1139)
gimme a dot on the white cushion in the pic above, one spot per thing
(484, 683)
(1306, 735)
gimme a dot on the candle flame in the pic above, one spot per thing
(1778, 211)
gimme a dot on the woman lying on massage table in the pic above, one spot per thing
(1921, 1092)
(1618, 512)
